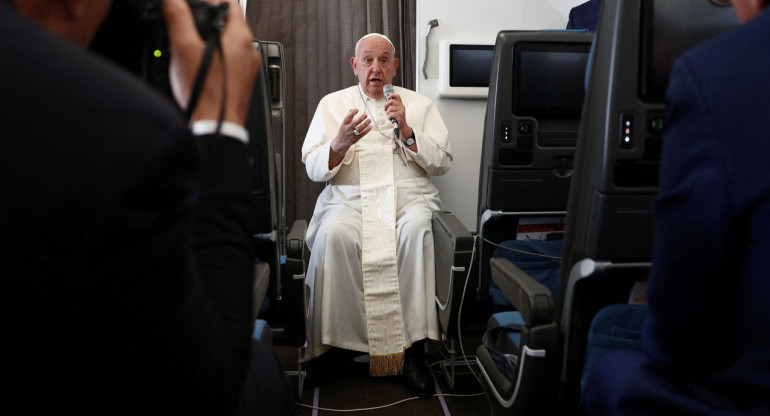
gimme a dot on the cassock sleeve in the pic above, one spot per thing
(317, 145)
(434, 154)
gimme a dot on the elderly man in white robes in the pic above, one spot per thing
(371, 269)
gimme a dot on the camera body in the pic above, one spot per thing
(209, 17)
(209, 20)
(134, 35)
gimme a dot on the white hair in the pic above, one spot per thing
(379, 36)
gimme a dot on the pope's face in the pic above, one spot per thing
(374, 65)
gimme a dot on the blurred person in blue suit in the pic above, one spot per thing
(585, 16)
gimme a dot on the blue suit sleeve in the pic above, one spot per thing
(690, 280)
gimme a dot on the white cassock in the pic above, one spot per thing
(346, 254)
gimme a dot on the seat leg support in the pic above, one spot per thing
(449, 368)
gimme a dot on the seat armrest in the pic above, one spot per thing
(295, 239)
(453, 247)
(461, 238)
(532, 299)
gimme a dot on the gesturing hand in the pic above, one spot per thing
(351, 131)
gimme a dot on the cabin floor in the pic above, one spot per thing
(352, 391)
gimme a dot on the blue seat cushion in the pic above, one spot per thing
(509, 319)
(502, 339)
(262, 332)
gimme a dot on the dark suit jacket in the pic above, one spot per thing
(585, 16)
(126, 257)
(707, 336)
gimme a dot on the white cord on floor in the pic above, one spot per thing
(385, 405)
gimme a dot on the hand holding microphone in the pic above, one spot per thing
(387, 89)
(396, 111)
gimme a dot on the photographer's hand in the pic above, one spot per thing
(187, 48)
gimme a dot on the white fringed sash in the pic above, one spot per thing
(384, 321)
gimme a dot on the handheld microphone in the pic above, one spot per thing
(387, 89)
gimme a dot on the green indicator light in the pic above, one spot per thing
(157, 53)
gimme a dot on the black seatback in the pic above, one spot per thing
(610, 207)
(261, 152)
(530, 129)
(610, 202)
(274, 245)
(527, 150)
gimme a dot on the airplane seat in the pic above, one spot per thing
(533, 284)
(533, 112)
(530, 130)
(517, 355)
(608, 241)
(609, 217)
(282, 303)
(654, 26)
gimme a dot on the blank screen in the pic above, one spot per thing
(665, 38)
(470, 65)
(549, 79)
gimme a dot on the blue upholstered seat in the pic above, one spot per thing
(262, 332)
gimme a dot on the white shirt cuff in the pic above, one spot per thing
(229, 129)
